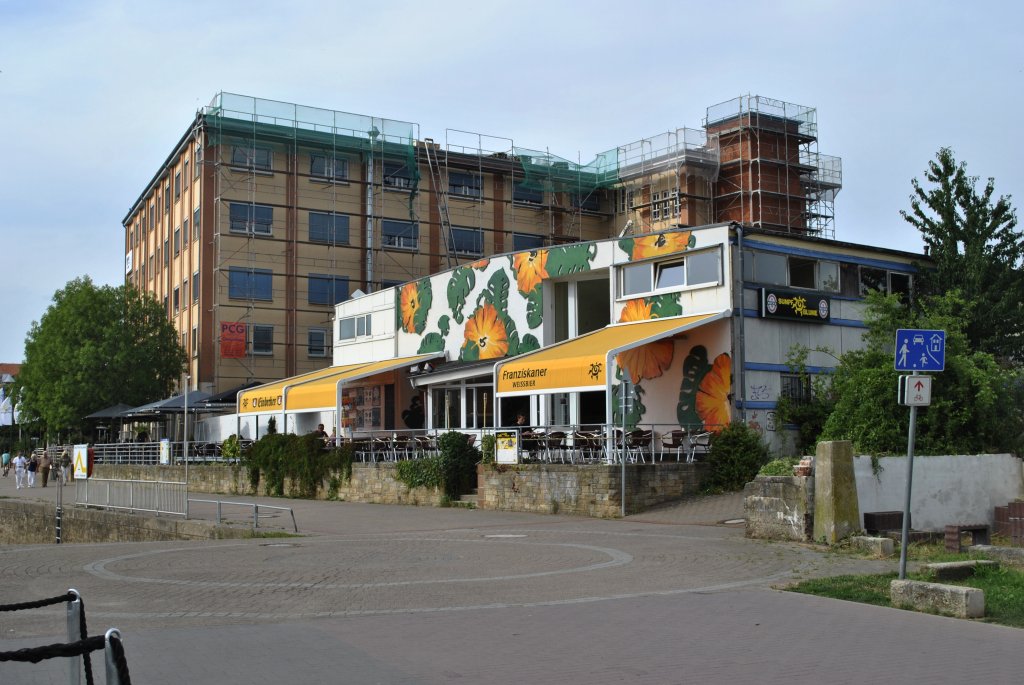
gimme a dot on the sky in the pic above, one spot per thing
(94, 94)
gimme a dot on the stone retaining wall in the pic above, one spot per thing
(28, 523)
(371, 483)
(588, 490)
(780, 507)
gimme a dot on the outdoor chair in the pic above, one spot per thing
(638, 443)
(699, 441)
(675, 441)
(554, 443)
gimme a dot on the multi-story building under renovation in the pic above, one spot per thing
(267, 214)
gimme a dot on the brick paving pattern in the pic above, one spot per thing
(379, 594)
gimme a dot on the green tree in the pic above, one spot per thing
(976, 249)
(94, 347)
(975, 403)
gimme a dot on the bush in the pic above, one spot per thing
(737, 454)
(453, 469)
(779, 467)
(488, 448)
(302, 459)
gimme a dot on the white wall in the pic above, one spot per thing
(946, 489)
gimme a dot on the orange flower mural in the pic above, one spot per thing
(650, 360)
(485, 333)
(480, 264)
(660, 244)
(531, 269)
(713, 394)
(409, 304)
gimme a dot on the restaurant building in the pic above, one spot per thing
(685, 328)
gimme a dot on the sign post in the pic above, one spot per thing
(917, 351)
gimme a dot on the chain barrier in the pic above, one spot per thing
(82, 647)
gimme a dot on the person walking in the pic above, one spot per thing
(65, 467)
(44, 467)
(33, 466)
(20, 470)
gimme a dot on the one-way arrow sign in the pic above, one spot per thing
(915, 391)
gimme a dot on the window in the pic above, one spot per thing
(167, 199)
(636, 279)
(177, 186)
(872, 279)
(250, 284)
(589, 202)
(262, 339)
(465, 185)
(325, 289)
(403, 235)
(527, 196)
(703, 267)
(184, 232)
(246, 218)
(671, 275)
(397, 175)
(466, 241)
(252, 157)
(828, 276)
(195, 286)
(655, 206)
(184, 292)
(195, 341)
(152, 266)
(198, 157)
(317, 342)
(195, 224)
(354, 326)
(167, 253)
(152, 215)
(184, 340)
(184, 176)
(526, 241)
(802, 272)
(177, 242)
(899, 284)
(176, 300)
(699, 268)
(328, 228)
(387, 283)
(328, 166)
(795, 388)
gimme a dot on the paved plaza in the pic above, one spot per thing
(382, 594)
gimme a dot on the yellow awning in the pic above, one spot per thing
(268, 397)
(580, 364)
(318, 390)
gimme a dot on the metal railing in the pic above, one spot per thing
(148, 453)
(255, 510)
(154, 496)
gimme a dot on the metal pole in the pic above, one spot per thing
(60, 503)
(188, 381)
(74, 635)
(910, 481)
(112, 676)
(626, 404)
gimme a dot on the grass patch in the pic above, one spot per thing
(1003, 587)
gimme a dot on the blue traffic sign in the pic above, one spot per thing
(920, 350)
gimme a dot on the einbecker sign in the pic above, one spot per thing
(794, 305)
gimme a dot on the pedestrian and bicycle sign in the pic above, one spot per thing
(920, 350)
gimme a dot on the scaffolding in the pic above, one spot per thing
(246, 140)
(772, 175)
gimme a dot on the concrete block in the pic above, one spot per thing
(1008, 555)
(949, 600)
(958, 570)
(836, 512)
(879, 547)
